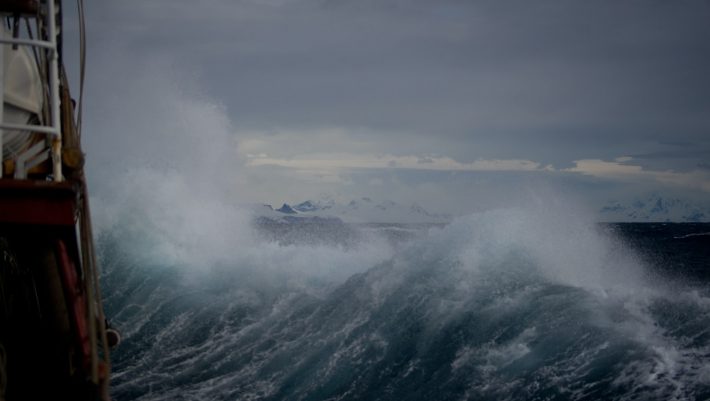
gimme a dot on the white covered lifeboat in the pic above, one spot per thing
(23, 97)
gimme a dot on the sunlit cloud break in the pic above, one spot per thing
(349, 161)
(618, 170)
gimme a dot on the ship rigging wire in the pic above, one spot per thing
(82, 64)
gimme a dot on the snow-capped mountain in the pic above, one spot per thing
(287, 209)
(311, 206)
(655, 208)
(364, 210)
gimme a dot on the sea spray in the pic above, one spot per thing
(533, 302)
(506, 304)
(526, 303)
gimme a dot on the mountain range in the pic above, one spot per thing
(655, 208)
(651, 208)
(363, 210)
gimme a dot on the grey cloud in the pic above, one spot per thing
(548, 81)
(461, 68)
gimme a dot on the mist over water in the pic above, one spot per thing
(506, 304)
(534, 302)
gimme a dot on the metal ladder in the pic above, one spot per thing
(39, 152)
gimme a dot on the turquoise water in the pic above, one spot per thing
(508, 304)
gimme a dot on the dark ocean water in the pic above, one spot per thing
(500, 305)
(679, 250)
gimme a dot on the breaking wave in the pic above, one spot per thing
(508, 304)
(529, 303)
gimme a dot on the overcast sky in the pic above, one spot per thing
(459, 105)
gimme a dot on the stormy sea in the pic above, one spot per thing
(509, 304)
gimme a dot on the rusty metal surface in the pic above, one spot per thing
(37, 202)
(19, 6)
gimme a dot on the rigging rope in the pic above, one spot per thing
(82, 63)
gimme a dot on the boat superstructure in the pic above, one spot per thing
(53, 333)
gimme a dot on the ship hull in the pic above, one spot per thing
(44, 324)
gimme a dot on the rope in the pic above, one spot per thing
(82, 63)
(87, 234)
(101, 318)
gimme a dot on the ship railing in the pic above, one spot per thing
(59, 126)
(38, 153)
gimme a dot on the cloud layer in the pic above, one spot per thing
(331, 95)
